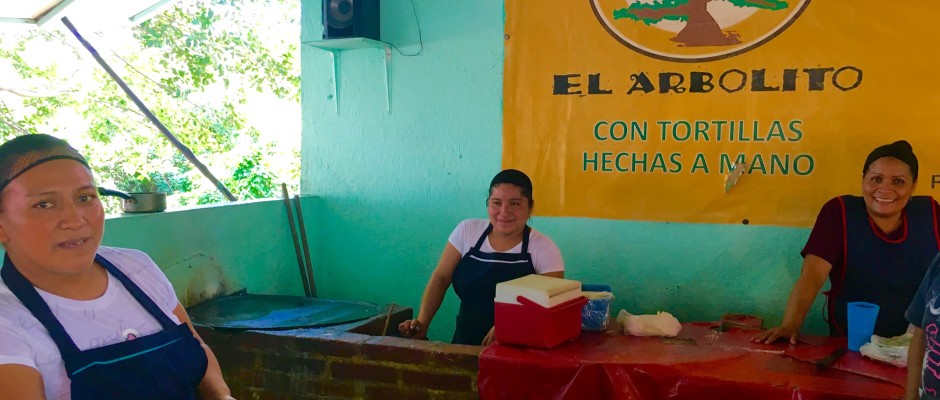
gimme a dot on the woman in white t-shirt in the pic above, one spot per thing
(481, 253)
(79, 321)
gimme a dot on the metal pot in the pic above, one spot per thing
(138, 202)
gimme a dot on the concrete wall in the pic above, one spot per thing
(207, 251)
(391, 186)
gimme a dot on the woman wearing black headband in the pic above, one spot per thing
(874, 248)
(480, 253)
(77, 320)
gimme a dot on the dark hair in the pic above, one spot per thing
(514, 177)
(901, 150)
(23, 153)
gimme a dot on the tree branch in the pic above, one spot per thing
(166, 90)
(6, 119)
(13, 125)
(140, 114)
(31, 93)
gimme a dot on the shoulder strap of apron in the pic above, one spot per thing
(27, 294)
(525, 239)
(145, 301)
(489, 228)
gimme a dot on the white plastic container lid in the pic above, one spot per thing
(542, 290)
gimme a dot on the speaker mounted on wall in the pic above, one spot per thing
(351, 18)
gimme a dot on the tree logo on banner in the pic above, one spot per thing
(696, 30)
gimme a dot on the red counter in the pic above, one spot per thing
(701, 363)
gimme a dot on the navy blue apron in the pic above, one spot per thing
(165, 365)
(882, 271)
(475, 280)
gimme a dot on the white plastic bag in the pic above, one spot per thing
(661, 324)
(888, 350)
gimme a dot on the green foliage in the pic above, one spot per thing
(651, 13)
(207, 54)
(658, 4)
(636, 11)
(252, 179)
(202, 67)
(766, 4)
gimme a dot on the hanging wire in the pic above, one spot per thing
(420, 40)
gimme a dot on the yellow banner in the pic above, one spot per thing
(724, 111)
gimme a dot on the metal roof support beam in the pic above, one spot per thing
(154, 9)
(54, 12)
(153, 118)
(17, 20)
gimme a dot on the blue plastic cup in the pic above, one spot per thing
(862, 317)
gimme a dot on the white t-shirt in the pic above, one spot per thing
(114, 317)
(545, 255)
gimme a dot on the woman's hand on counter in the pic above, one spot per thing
(490, 337)
(414, 329)
(773, 334)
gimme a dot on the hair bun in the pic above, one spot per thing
(903, 145)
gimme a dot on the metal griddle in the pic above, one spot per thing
(275, 312)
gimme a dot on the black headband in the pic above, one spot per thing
(901, 150)
(22, 153)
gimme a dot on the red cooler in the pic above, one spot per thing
(538, 311)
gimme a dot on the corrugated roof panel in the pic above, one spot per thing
(103, 11)
(26, 9)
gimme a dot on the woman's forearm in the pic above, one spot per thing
(801, 299)
(915, 365)
(213, 384)
(432, 298)
(813, 276)
(438, 284)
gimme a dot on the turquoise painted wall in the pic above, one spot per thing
(390, 187)
(207, 251)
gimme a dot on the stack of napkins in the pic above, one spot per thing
(542, 290)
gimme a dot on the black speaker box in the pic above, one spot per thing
(351, 18)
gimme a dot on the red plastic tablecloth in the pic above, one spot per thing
(701, 363)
